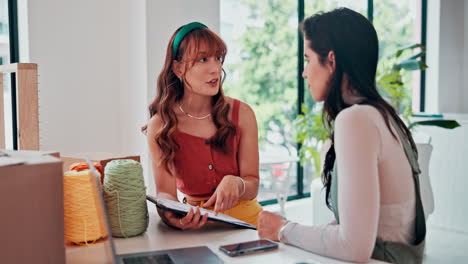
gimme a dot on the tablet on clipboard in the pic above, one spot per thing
(183, 209)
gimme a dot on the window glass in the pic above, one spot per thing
(261, 68)
(5, 59)
(398, 24)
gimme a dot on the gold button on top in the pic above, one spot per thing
(210, 167)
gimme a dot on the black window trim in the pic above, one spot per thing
(14, 58)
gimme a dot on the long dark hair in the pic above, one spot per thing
(354, 42)
(170, 90)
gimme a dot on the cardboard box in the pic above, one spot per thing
(100, 157)
(31, 202)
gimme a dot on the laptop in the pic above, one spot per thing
(201, 254)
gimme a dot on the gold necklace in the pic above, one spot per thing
(191, 116)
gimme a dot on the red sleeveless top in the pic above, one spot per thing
(198, 167)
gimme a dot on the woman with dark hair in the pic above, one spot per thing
(201, 142)
(371, 171)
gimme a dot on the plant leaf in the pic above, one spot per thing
(422, 65)
(416, 56)
(316, 159)
(411, 46)
(449, 124)
(410, 64)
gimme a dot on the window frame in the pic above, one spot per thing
(13, 36)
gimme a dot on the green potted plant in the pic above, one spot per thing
(392, 86)
(311, 134)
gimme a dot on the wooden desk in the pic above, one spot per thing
(159, 236)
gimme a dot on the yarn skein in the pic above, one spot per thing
(83, 221)
(79, 166)
(125, 194)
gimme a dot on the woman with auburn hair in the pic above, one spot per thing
(371, 171)
(201, 142)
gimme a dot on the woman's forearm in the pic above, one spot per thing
(251, 187)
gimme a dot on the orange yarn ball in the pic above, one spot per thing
(84, 221)
(79, 166)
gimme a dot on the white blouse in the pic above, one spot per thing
(376, 196)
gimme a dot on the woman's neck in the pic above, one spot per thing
(350, 95)
(195, 104)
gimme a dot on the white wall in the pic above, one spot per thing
(447, 45)
(465, 62)
(447, 92)
(98, 62)
(448, 173)
(133, 80)
(76, 47)
(23, 30)
(161, 26)
(133, 72)
(451, 56)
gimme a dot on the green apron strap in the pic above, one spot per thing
(411, 154)
(334, 193)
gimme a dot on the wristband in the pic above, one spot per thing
(243, 186)
(280, 232)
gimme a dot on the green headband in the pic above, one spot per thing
(181, 34)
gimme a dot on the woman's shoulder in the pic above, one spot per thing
(246, 113)
(359, 124)
(154, 124)
(244, 108)
(356, 115)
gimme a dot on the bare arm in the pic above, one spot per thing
(166, 183)
(231, 189)
(248, 152)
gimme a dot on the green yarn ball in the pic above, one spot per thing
(125, 194)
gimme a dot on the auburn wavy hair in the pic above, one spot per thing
(170, 91)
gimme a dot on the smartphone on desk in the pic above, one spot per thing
(248, 247)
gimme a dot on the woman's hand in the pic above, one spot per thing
(227, 194)
(193, 220)
(269, 225)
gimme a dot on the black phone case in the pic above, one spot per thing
(248, 250)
